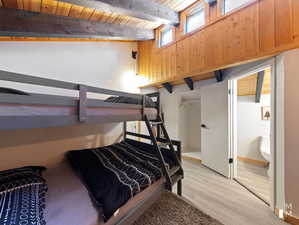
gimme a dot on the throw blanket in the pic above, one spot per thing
(115, 173)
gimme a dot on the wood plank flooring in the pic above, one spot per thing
(224, 199)
(255, 178)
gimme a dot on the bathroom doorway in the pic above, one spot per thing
(252, 122)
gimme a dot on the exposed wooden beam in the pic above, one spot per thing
(19, 23)
(168, 87)
(189, 82)
(259, 86)
(219, 75)
(143, 9)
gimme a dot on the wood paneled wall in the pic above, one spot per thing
(260, 29)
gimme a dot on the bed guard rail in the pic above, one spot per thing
(83, 90)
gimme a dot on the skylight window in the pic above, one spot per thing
(195, 20)
(230, 5)
(166, 37)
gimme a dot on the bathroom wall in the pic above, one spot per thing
(250, 125)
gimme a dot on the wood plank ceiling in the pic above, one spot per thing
(61, 8)
(247, 85)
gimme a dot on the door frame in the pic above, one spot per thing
(275, 137)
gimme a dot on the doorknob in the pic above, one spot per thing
(204, 126)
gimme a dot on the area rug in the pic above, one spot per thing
(173, 210)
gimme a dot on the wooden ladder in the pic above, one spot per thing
(176, 173)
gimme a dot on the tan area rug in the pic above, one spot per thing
(172, 210)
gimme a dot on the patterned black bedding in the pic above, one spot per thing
(148, 101)
(115, 173)
(22, 196)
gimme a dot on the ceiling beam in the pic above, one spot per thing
(168, 87)
(189, 82)
(19, 23)
(259, 86)
(142, 9)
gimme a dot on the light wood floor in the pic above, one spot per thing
(255, 178)
(195, 155)
(224, 199)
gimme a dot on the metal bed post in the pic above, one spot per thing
(179, 153)
(82, 103)
(159, 111)
(143, 106)
(124, 130)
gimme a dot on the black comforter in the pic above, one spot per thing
(115, 173)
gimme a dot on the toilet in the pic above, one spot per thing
(265, 148)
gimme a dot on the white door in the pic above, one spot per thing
(215, 127)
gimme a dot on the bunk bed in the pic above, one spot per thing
(23, 110)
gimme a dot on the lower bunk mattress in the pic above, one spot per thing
(115, 177)
(68, 201)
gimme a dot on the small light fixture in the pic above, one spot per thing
(134, 54)
(211, 2)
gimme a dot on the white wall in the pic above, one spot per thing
(182, 123)
(291, 141)
(170, 108)
(189, 126)
(170, 102)
(194, 122)
(250, 125)
(101, 64)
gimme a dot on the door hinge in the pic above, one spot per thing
(230, 91)
(231, 160)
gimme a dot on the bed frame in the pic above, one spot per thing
(31, 110)
(40, 110)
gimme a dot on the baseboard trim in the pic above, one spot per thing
(191, 158)
(288, 218)
(254, 161)
(291, 220)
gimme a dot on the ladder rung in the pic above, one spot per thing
(173, 170)
(156, 123)
(164, 145)
(176, 178)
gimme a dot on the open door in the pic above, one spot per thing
(215, 127)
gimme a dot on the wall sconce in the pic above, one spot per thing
(134, 54)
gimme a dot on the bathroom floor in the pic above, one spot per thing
(255, 178)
